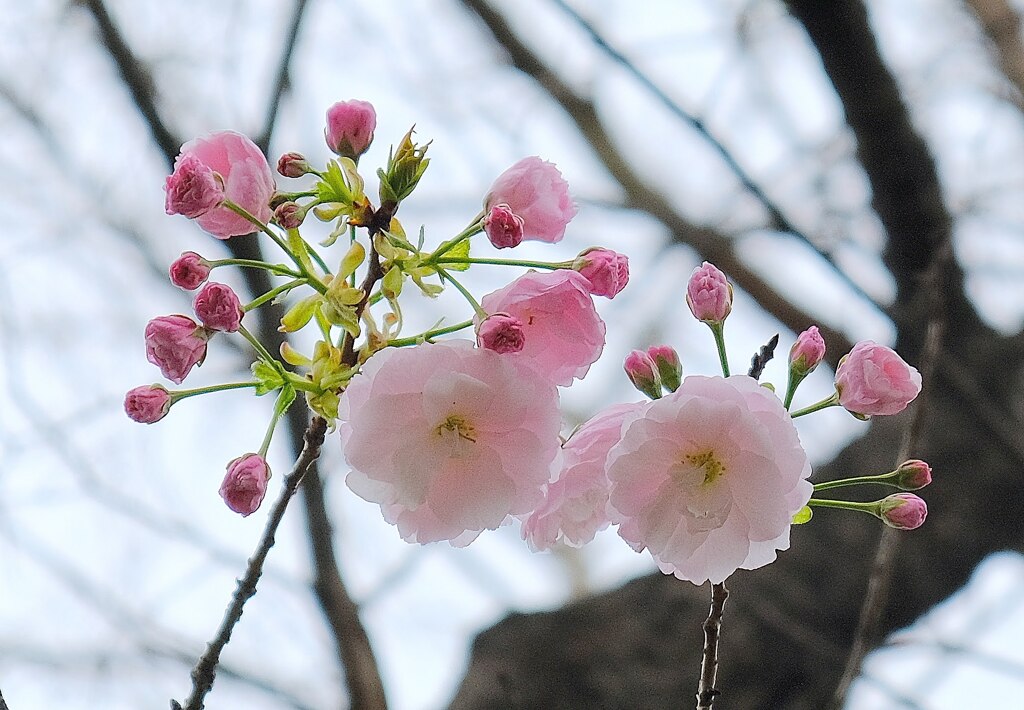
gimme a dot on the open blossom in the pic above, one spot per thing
(575, 503)
(147, 404)
(217, 306)
(708, 478)
(192, 189)
(448, 439)
(873, 380)
(501, 333)
(606, 270)
(563, 334)
(350, 126)
(709, 294)
(247, 180)
(189, 271)
(536, 192)
(503, 227)
(175, 344)
(245, 484)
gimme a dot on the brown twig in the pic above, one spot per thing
(706, 691)
(205, 670)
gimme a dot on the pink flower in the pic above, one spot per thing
(246, 176)
(708, 478)
(564, 335)
(709, 294)
(147, 404)
(643, 373)
(350, 126)
(245, 484)
(293, 165)
(807, 351)
(606, 270)
(903, 511)
(218, 308)
(448, 439)
(501, 333)
(535, 191)
(503, 227)
(575, 504)
(666, 360)
(193, 189)
(873, 380)
(189, 271)
(913, 475)
(175, 344)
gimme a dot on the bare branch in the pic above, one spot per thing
(706, 691)
(205, 670)
(1002, 25)
(281, 82)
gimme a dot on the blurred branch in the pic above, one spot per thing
(642, 196)
(3, 705)
(205, 670)
(282, 81)
(1002, 25)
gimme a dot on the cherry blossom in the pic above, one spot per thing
(535, 191)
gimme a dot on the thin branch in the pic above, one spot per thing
(763, 357)
(706, 691)
(282, 82)
(205, 670)
(3, 704)
(712, 244)
(1001, 23)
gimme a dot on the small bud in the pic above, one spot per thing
(406, 166)
(289, 215)
(350, 126)
(913, 475)
(147, 404)
(643, 373)
(189, 271)
(175, 344)
(606, 270)
(217, 306)
(666, 359)
(293, 165)
(193, 189)
(503, 227)
(245, 484)
(807, 352)
(501, 333)
(709, 294)
(903, 511)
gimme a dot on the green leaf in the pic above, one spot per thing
(391, 284)
(352, 261)
(459, 251)
(284, 400)
(803, 515)
(300, 314)
(268, 377)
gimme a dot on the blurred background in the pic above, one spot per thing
(856, 165)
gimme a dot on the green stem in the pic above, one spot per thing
(794, 382)
(427, 335)
(475, 227)
(823, 404)
(260, 350)
(301, 383)
(316, 257)
(462, 289)
(279, 269)
(869, 508)
(718, 329)
(242, 212)
(501, 262)
(182, 394)
(272, 294)
(279, 410)
(885, 479)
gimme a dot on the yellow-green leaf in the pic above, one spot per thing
(803, 515)
(300, 314)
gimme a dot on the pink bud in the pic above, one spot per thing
(666, 360)
(293, 165)
(643, 373)
(193, 189)
(709, 294)
(245, 484)
(289, 215)
(175, 344)
(350, 126)
(873, 380)
(913, 475)
(503, 227)
(535, 191)
(903, 511)
(807, 351)
(147, 404)
(189, 271)
(606, 270)
(217, 306)
(501, 333)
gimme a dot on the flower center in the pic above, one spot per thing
(455, 431)
(706, 461)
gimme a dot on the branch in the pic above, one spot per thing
(712, 244)
(1002, 25)
(706, 692)
(281, 82)
(205, 669)
(3, 705)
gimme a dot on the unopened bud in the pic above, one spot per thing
(503, 227)
(290, 215)
(913, 475)
(293, 165)
(903, 511)
(643, 373)
(807, 352)
(709, 294)
(501, 333)
(666, 360)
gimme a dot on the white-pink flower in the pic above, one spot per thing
(708, 478)
(563, 334)
(575, 504)
(534, 191)
(448, 439)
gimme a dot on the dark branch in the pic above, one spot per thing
(763, 357)
(706, 690)
(282, 81)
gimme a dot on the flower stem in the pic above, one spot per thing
(242, 212)
(272, 294)
(794, 382)
(462, 289)
(427, 335)
(279, 269)
(718, 330)
(706, 691)
(870, 508)
(260, 350)
(475, 227)
(885, 479)
(823, 404)
(501, 262)
(182, 394)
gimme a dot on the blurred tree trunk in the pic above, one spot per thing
(788, 627)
